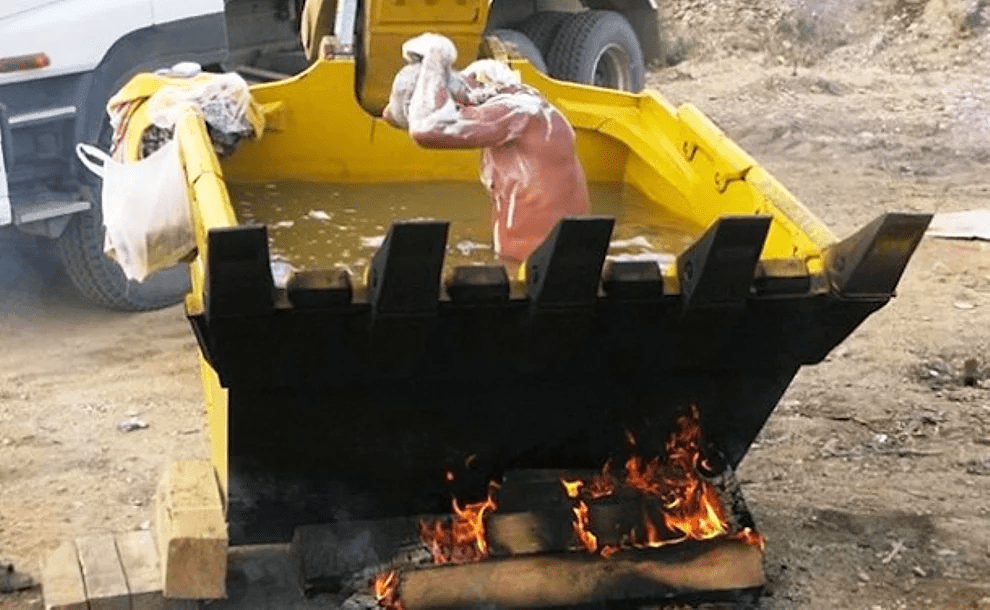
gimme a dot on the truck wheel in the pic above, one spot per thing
(98, 277)
(524, 45)
(541, 28)
(102, 281)
(597, 48)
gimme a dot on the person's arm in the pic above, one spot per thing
(436, 121)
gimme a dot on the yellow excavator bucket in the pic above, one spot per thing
(320, 379)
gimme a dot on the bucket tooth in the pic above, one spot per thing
(238, 272)
(479, 285)
(405, 272)
(320, 289)
(562, 282)
(717, 270)
(632, 280)
(870, 262)
(404, 292)
(565, 270)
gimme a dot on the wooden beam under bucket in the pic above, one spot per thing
(714, 569)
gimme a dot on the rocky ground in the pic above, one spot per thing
(871, 479)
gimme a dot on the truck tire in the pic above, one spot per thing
(541, 28)
(100, 279)
(524, 45)
(597, 48)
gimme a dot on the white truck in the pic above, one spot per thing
(61, 60)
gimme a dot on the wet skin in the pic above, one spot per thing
(528, 164)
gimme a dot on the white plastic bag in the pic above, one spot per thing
(145, 209)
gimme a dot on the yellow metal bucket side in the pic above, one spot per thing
(682, 149)
(210, 207)
(325, 135)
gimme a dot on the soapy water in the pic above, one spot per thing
(324, 225)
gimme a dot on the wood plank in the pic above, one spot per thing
(192, 532)
(139, 558)
(106, 587)
(574, 579)
(62, 580)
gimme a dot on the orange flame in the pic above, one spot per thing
(582, 529)
(387, 590)
(608, 550)
(602, 485)
(690, 506)
(464, 539)
(573, 488)
(751, 538)
(654, 539)
(581, 521)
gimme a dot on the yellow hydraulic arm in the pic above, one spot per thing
(386, 24)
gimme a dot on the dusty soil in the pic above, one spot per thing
(871, 478)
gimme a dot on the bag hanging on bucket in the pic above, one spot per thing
(145, 209)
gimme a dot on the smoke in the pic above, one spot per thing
(30, 274)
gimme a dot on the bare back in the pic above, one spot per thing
(534, 180)
(529, 165)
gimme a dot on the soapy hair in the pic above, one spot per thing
(402, 92)
(415, 49)
(492, 76)
(492, 71)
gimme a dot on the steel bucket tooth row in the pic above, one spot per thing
(380, 386)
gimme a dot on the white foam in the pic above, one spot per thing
(281, 272)
(662, 259)
(635, 242)
(374, 241)
(319, 215)
(512, 205)
(466, 246)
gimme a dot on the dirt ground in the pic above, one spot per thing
(871, 480)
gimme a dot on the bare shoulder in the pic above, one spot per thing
(515, 101)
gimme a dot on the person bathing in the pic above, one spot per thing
(529, 165)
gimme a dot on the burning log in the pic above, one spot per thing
(657, 529)
(343, 557)
(718, 568)
(339, 557)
